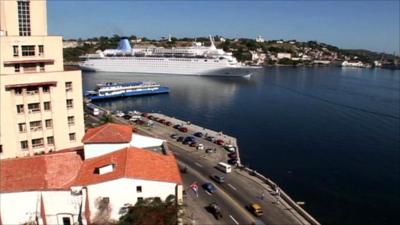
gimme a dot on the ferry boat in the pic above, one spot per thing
(114, 90)
(194, 60)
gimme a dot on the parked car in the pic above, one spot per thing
(127, 117)
(209, 187)
(174, 136)
(187, 142)
(180, 139)
(183, 129)
(210, 138)
(119, 113)
(177, 126)
(193, 144)
(200, 147)
(255, 208)
(232, 161)
(145, 114)
(230, 148)
(161, 121)
(139, 122)
(150, 117)
(219, 142)
(211, 150)
(218, 178)
(232, 155)
(190, 138)
(198, 134)
(168, 123)
(215, 210)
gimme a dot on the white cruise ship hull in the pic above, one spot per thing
(155, 65)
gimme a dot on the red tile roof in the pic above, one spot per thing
(131, 163)
(52, 171)
(108, 133)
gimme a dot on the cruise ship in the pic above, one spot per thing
(114, 90)
(194, 60)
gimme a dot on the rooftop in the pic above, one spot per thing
(108, 133)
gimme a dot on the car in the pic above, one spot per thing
(139, 122)
(119, 113)
(232, 161)
(218, 178)
(208, 186)
(155, 118)
(145, 114)
(161, 121)
(255, 209)
(127, 117)
(215, 210)
(200, 147)
(174, 136)
(211, 150)
(230, 148)
(168, 123)
(219, 142)
(183, 129)
(190, 138)
(150, 117)
(177, 126)
(232, 155)
(193, 144)
(198, 134)
(187, 142)
(180, 139)
(210, 138)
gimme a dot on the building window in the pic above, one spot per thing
(41, 66)
(72, 136)
(1, 148)
(24, 145)
(37, 143)
(66, 221)
(22, 127)
(17, 68)
(49, 123)
(46, 89)
(32, 90)
(20, 108)
(41, 50)
(71, 120)
(34, 107)
(70, 103)
(47, 106)
(68, 86)
(35, 125)
(18, 91)
(28, 50)
(15, 50)
(139, 189)
(50, 140)
(24, 18)
(29, 68)
(139, 199)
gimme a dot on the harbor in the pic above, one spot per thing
(243, 179)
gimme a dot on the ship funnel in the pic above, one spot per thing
(124, 45)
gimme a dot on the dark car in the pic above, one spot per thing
(168, 123)
(209, 187)
(210, 138)
(145, 114)
(232, 155)
(150, 117)
(187, 142)
(127, 117)
(161, 121)
(179, 139)
(177, 126)
(193, 144)
(139, 122)
(198, 134)
(218, 178)
(215, 210)
(190, 138)
(174, 136)
(232, 161)
(183, 129)
(219, 142)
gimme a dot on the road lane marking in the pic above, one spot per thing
(233, 219)
(198, 164)
(231, 186)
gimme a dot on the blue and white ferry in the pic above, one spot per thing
(114, 90)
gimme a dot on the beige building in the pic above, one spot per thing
(41, 103)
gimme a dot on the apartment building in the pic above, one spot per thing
(41, 103)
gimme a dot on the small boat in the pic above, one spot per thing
(114, 90)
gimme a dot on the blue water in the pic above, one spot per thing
(328, 136)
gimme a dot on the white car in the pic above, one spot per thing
(119, 113)
(200, 147)
(230, 148)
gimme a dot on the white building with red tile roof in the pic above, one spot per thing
(65, 188)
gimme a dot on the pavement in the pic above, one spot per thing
(240, 188)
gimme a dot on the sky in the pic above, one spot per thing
(369, 24)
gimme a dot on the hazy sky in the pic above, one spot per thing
(372, 25)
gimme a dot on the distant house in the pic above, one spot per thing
(70, 188)
(260, 39)
(282, 55)
(70, 44)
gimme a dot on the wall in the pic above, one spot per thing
(94, 150)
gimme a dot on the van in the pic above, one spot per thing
(224, 167)
(255, 209)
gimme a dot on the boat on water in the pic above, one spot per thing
(194, 60)
(114, 90)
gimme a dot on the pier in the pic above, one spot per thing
(241, 187)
